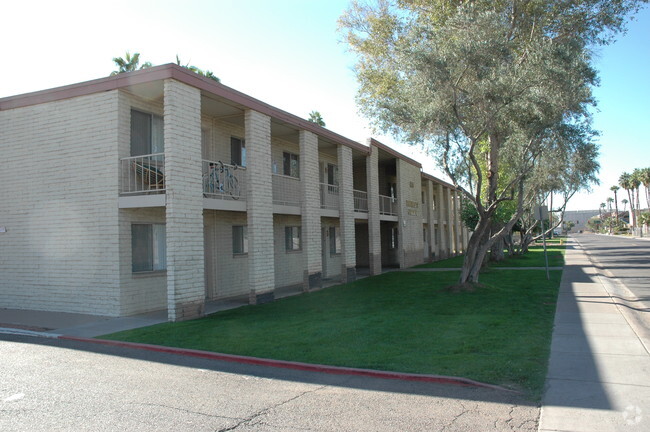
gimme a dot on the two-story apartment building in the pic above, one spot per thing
(161, 189)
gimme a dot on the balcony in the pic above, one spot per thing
(286, 190)
(387, 205)
(143, 174)
(329, 196)
(223, 181)
(360, 201)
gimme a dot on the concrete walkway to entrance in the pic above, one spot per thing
(599, 370)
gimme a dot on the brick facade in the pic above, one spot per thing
(68, 241)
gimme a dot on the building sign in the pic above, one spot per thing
(412, 207)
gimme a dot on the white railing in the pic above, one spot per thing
(360, 201)
(286, 190)
(329, 196)
(143, 174)
(223, 181)
(387, 205)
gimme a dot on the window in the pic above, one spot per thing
(335, 240)
(240, 239)
(292, 236)
(393, 238)
(332, 175)
(147, 134)
(290, 164)
(237, 151)
(148, 247)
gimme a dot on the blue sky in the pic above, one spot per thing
(283, 52)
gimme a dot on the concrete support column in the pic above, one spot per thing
(184, 210)
(431, 221)
(310, 203)
(259, 185)
(450, 222)
(457, 224)
(346, 214)
(374, 225)
(441, 246)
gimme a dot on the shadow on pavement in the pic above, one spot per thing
(348, 381)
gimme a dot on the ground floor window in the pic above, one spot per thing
(393, 237)
(292, 238)
(239, 239)
(335, 240)
(148, 247)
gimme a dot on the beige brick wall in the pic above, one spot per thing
(374, 231)
(228, 273)
(409, 195)
(184, 215)
(288, 265)
(58, 202)
(310, 209)
(259, 205)
(140, 292)
(346, 214)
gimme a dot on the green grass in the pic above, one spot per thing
(399, 321)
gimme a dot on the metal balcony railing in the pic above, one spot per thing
(286, 190)
(329, 196)
(387, 205)
(143, 174)
(360, 201)
(223, 181)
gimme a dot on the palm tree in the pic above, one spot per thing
(624, 201)
(644, 174)
(196, 70)
(625, 181)
(615, 190)
(635, 182)
(129, 63)
(600, 215)
(315, 117)
(610, 200)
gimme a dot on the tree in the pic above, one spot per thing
(625, 181)
(635, 183)
(610, 200)
(315, 117)
(615, 190)
(206, 73)
(624, 201)
(129, 63)
(485, 86)
(644, 176)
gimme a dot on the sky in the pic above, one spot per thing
(287, 53)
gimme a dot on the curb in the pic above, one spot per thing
(283, 364)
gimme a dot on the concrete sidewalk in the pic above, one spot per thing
(599, 369)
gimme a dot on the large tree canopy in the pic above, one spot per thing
(495, 91)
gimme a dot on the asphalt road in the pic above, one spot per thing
(627, 259)
(59, 385)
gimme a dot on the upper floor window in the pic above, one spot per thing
(335, 240)
(147, 134)
(332, 175)
(237, 151)
(148, 247)
(290, 164)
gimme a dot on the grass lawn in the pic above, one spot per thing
(398, 321)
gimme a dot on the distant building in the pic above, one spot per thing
(579, 218)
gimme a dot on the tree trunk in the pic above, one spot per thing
(474, 255)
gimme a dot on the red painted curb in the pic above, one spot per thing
(335, 370)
